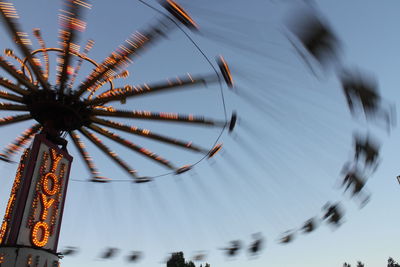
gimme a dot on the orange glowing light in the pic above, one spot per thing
(182, 13)
(70, 70)
(83, 4)
(9, 205)
(45, 184)
(8, 52)
(55, 159)
(46, 204)
(3, 230)
(11, 201)
(9, 10)
(29, 261)
(40, 234)
(215, 150)
(225, 71)
(183, 169)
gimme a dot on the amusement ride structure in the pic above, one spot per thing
(31, 226)
(62, 104)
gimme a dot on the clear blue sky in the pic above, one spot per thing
(283, 172)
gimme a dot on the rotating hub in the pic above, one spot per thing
(60, 112)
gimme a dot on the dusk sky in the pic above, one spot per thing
(278, 168)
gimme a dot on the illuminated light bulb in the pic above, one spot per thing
(225, 71)
(45, 184)
(215, 150)
(8, 52)
(180, 14)
(183, 169)
(44, 238)
(3, 230)
(124, 74)
(29, 261)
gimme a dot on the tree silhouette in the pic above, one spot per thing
(178, 260)
(392, 263)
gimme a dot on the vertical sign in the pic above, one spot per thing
(15, 191)
(39, 203)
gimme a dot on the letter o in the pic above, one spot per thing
(45, 184)
(43, 229)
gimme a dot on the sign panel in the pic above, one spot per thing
(40, 201)
(10, 212)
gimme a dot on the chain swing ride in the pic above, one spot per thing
(62, 108)
(34, 211)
